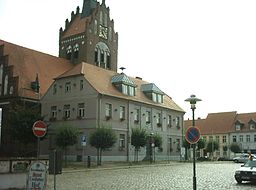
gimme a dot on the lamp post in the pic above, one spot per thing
(192, 100)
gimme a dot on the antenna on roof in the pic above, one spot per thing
(122, 68)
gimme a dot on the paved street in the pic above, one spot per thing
(210, 175)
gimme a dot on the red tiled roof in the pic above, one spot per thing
(102, 83)
(77, 26)
(222, 123)
(27, 63)
(245, 118)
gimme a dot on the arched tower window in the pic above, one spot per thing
(108, 61)
(102, 55)
(69, 52)
(6, 85)
(76, 51)
(96, 56)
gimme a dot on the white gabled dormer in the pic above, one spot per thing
(238, 125)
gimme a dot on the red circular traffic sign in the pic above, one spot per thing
(39, 128)
(193, 135)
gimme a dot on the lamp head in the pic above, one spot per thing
(192, 100)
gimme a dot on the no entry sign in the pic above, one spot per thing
(192, 135)
(39, 128)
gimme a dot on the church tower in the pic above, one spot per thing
(90, 37)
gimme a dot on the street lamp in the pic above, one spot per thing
(192, 100)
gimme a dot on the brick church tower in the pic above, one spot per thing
(90, 36)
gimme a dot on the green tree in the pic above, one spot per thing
(158, 141)
(138, 139)
(212, 146)
(234, 147)
(66, 136)
(201, 144)
(102, 139)
(20, 122)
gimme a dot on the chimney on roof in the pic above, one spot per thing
(138, 78)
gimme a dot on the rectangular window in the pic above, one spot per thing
(121, 141)
(248, 138)
(53, 112)
(81, 109)
(252, 126)
(137, 115)
(158, 118)
(204, 138)
(177, 121)
(108, 110)
(238, 128)
(254, 138)
(68, 87)
(81, 84)
(54, 88)
(159, 98)
(66, 111)
(131, 91)
(148, 117)
(241, 138)
(234, 138)
(224, 139)
(122, 113)
(217, 139)
(154, 97)
(124, 89)
(169, 120)
(211, 138)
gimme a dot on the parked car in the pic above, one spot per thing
(247, 172)
(243, 158)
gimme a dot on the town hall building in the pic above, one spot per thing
(83, 88)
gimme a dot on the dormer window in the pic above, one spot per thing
(238, 125)
(252, 124)
(153, 92)
(124, 84)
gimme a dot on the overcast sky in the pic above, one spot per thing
(201, 47)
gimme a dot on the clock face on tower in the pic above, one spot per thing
(103, 33)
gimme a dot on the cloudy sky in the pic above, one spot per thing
(201, 47)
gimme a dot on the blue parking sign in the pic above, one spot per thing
(83, 140)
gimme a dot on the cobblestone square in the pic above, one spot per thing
(176, 175)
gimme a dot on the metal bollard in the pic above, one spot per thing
(88, 161)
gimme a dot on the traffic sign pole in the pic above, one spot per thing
(39, 129)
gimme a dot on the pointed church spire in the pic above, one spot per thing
(88, 7)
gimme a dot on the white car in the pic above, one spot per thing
(243, 158)
(246, 172)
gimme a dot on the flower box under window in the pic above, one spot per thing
(108, 118)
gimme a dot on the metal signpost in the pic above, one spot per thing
(83, 143)
(39, 129)
(193, 136)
